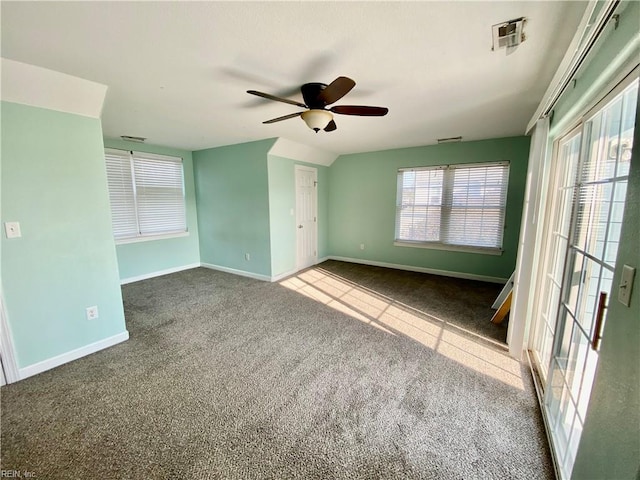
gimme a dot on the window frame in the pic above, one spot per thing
(445, 207)
(144, 237)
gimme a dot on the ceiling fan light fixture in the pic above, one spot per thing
(316, 119)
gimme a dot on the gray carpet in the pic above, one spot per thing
(226, 377)
(464, 303)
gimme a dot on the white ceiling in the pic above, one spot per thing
(178, 72)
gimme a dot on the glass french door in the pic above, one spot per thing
(586, 204)
(559, 208)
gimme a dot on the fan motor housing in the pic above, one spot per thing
(310, 93)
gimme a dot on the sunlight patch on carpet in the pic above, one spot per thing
(393, 317)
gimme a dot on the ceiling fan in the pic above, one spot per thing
(316, 98)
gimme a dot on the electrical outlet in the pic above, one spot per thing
(247, 256)
(362, 246)
(92, 312)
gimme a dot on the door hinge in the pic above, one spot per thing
(315, 184)
(314, 219)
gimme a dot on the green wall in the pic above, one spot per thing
(54, 183)
(610, 443)
(323, 210)
(144, 258)
(233, 206)
(362, 205)
(599, 69)
(282, 201)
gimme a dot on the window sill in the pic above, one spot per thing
(148, 238)
(452, 248)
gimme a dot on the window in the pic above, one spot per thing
(146, 192)
(457, 207)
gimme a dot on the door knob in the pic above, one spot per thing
(299, 226)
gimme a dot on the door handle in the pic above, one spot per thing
(299, 226)
(597, 332)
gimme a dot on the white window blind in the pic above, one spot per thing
(146, 192)
(454, 205)
(120, 180)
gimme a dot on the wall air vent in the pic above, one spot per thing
(508, 34)
(133, 139)
(450, 140)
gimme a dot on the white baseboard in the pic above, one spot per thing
(410, 268)
(58, 360)
(277, 278)
(159, 273)
(242, 273)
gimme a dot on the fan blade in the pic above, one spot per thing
(277, 99)
(286, 117)
(360, 110)
(331, 126)
(336, 90)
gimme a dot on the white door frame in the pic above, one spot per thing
(299, 168)
(7, 352)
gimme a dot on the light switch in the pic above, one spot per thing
(12, 229)
(626, 283)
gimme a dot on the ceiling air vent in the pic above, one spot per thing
(508, 34)
(133, 139)
(450, 140)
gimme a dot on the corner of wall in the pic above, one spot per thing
(54, 183)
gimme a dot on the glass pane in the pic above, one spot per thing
(626, 130)
(559, 254)
(574, 441)
(589, 290)
(567, 415)
(552, 305)
(606, 283)
(409, 179)
(587, 382)
(553, 393)
(590, 145)
(601, 163)
(575, 367)
(547, 344)
(564, 211)
(562, 428)
(574, 280)
(615, 223)
(419, 205)
(571, 161)
(419, 223)
(594, 202)
(562, 353)
(477, 200)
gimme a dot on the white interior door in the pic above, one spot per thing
(306, 216)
